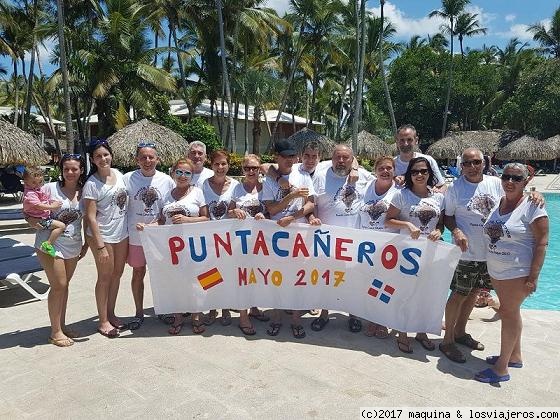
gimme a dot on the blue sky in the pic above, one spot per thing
(504, 20)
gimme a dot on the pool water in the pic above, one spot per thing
(547, 295)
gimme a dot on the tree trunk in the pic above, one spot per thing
(225, 74)
(16, 93)
(246, 126)
(65, 83)
(384, 75)
(257, 130)
(29, 94)
(314, 87)
(156, 43)
(179, 59)
(341, 109)
(449, 81)
(361, 50)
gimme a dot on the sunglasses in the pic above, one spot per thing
(415, 172)
(98, 142)
(251, 168)
(71, 156)
(513, 178)
(179, 172)
(150, 145)
(474, 162)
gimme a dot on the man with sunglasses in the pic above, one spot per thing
(196, 152)
(146, 188)
(468, 203)
(406, 140)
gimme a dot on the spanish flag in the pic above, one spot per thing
(210, 278)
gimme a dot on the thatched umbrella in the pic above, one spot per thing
(555, 142)
(305, 135)
(19, 147)
(169, 145)
(453, 144)
(370, 146)
(527, 148)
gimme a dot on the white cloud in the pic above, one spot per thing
(44, 54)
(510, 18)
(281, 6)
(520, 30)
(407, 26)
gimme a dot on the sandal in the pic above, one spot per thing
(61, 342)
(274, 329)
(426, 343)
(260, 316)
(211, 317)
(405, 346)
(371, 329)
(114, 333)
(298, 331)
(451, 351)
(167, 318)
(135, 323)
(354, 325)
(248, 330)
(319, 323)
(488, 376)
(198, 327)
(470, 342)
(225, 320)
(382, 332)
(175, 328)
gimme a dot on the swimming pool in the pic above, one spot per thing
(548, 289)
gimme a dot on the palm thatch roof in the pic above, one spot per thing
(305, 135)
(453, 144)
(527, 148)
(555, 142)
(19, 147)
(169, 145)
(370, 146)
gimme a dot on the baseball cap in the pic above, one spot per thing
(285, 148)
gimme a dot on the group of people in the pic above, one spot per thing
(501, 231)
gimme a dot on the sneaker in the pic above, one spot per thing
(47, 248)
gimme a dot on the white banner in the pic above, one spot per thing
(386, 278)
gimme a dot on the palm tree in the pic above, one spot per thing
(416, 41)
(383, 75)
(438, 42)
(65, 83)
(467, 25)
(549, 40)
(450, 9)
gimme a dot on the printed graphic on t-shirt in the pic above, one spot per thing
(481, 204)
(119, 198)
(148, 195)
(347, 195)
(68, 216)
(424, 212)
(218, 209)
(496, 231)
(253, 207)
(178, 209)
(283, 192)
(375, 209)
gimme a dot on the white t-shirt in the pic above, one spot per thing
(374, 208)
(327, 164)
(422, 212)
(273, 192)
(336, 201)
(69, 244)
(471, 204)
(145, 199)
(218, 204)
(401, 167)
(112, 202)
(198, 179)
(251, 203)
(510, 240)
(188, 205)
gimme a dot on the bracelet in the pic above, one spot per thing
(99, 249)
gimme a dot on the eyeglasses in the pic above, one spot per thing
(251, 168)
(513, 178)
(474, 162)
(98, 142)
(71, 156)
(179, 172)
(150, 145)
(415, 172)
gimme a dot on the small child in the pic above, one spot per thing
(37, 203)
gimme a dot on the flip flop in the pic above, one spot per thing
(451, 351)
(491, 360)
(260, 316)
(274, 329)
(210, 318)
(114, 333)
(354, 325)
(382, 332)
(298, 331)
(175, 328)
(198, 327)
(135, 323)
(250, 330)
(426, 343)
(488, 376)
(467, 340)
(225, 320)
(319, 323)
(405, 347)
(61, 342)
(371, 329)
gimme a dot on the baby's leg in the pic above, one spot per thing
(57, 228)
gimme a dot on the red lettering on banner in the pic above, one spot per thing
(260, 244)
(242, 274)
(299, 246)
(226, 245)
(339, 248)
(389, 257)
(265, 275)
(176, 244)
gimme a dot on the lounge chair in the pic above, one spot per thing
(17, 265)
(11, 214)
